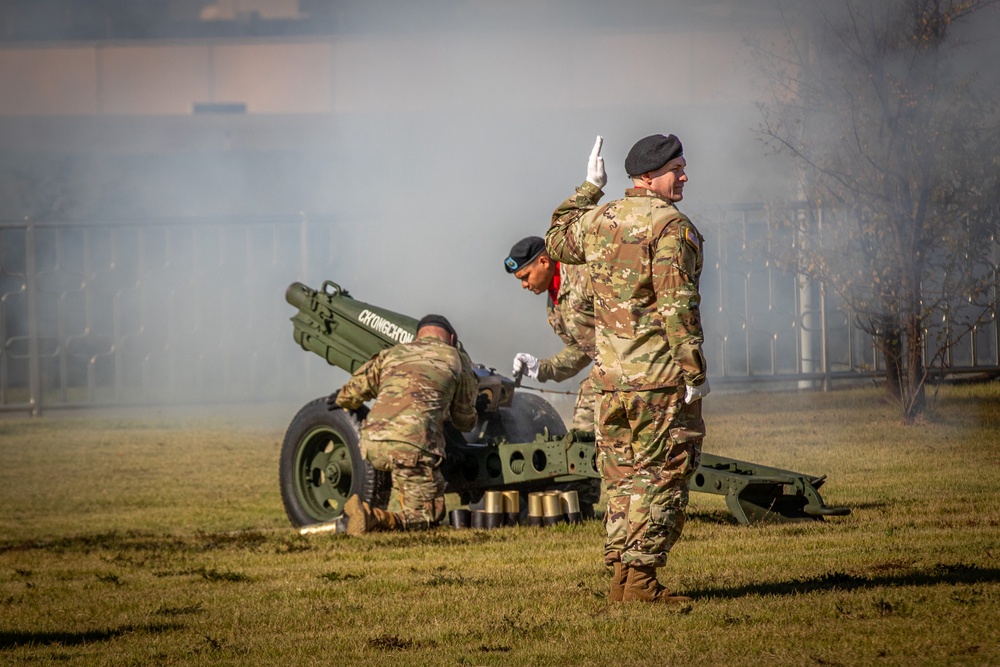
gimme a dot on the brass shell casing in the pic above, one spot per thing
(570, 503)
(460, 518)
(552, 505)
(493, 502)
(512, 508)
(536, 508)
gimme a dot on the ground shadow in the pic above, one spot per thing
(842, 581)
(718, 517)
(15, 639)
(134, 540)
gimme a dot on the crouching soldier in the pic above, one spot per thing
(570, 310)
(417, 386)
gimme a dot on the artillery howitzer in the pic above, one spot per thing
(520, 441)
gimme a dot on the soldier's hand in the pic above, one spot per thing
(525, 364)
(331, 401)
(692, 394)
(595, 167)
(482, 402)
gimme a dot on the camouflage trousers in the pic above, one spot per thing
(648, 447)
(589, 490)
(417, 478)
(586, 405)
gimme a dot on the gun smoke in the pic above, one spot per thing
(439, 136)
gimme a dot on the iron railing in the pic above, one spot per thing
(111, 313)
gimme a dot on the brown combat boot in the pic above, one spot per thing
(641, 586)
(360, 518)
(387, 520)
(363, 518)
(617, 581)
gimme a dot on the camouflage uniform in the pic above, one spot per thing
(645, 259)
(572, 319)
(417, 386)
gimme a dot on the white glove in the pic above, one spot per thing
(692, 394)
(595, 167)
(525, 364)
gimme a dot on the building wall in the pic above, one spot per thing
(426, 147)
(399, 73)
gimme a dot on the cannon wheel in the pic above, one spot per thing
(321, 466)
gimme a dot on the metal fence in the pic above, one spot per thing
(171, 311)
(765, 324)
(182, 311)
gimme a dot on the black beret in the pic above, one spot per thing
(523, 253)
(436, 321)
(651, 153)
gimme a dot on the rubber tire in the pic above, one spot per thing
(321, 466)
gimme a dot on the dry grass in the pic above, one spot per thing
(154, 540)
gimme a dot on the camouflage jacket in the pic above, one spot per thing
(645, 259)
(417, 386)
(572, 318)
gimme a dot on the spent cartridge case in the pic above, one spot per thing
(460, 518)
(493, 502)
(493, 515)
(552, 509)
(512, 507)
(536, 509)
(570, 503)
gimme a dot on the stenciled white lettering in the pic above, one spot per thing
(384, 326)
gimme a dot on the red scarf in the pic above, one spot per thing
(554, 286)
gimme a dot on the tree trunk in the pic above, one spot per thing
(914, 397)
(913, 323)
(892, 349)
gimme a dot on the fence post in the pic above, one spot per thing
(31, 286)
(824, 359)
(807, 305)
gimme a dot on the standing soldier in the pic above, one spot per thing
(417, 386)
(644, 258)
(570, 309)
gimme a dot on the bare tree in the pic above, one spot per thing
(886, 111)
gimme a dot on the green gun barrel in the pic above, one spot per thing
(342, 330)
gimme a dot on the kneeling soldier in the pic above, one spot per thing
(417, 386)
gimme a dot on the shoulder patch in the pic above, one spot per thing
(692, 238)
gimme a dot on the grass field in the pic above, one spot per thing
(160, 539)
